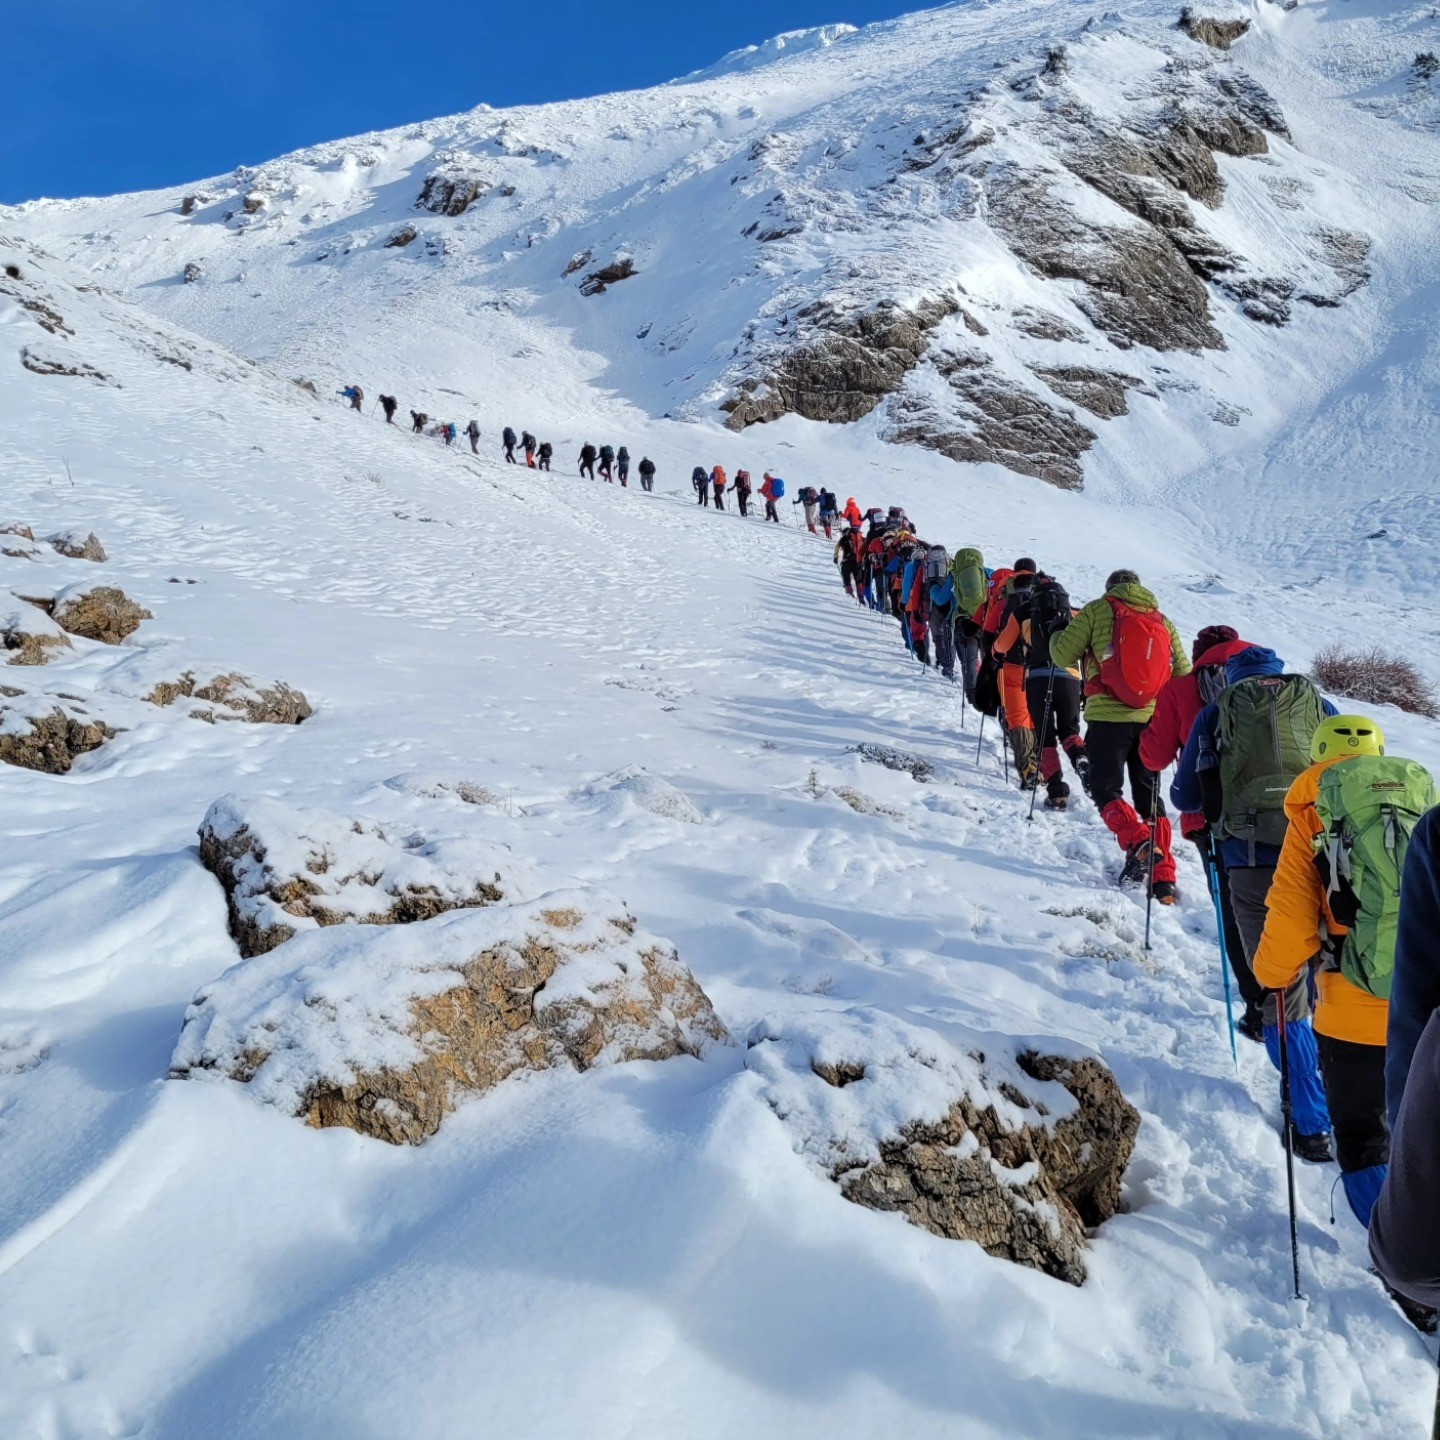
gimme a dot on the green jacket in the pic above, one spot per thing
(1086, 640)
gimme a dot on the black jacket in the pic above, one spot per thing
(1415, 990)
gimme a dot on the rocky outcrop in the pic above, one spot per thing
(1218, 34)
(1022, 1154)
(597, 282)
(989, 417)
(77, 545)
(1101, 392)
(104, 613)
(842, 365)
(452, 189)
(47, 733)
(385, 1031)
(284, 871)
(233, 697)
(192, 273)
(917, 767)
(28, 635)
(402, 237)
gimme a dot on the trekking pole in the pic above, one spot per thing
(1214, 868)
(1286, 1116)
(1044, 726)
(1150, 886)
(980, 740)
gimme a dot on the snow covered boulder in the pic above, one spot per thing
(1021, 1153)
(47, 733)
(635, 785)
(27, 634)
(233, 696)
(285, 870)
(386, 1030)
(77, 545)
(17, 542)
(104, 613)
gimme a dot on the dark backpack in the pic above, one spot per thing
(607, 453)
(1050, 612)
(623, 456)
(808, 495)
(698, 478)
(509, 436)
(742, 481)
(647, 466)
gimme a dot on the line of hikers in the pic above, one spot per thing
(822, 509)
(1303, 823)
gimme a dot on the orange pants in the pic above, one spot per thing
(1012, 694)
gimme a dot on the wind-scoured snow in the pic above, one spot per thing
(626, 692)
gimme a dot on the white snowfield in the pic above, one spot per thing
(622, 691)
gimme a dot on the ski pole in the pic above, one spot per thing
(980, 740)
(1150, 886)
(1040, 742)
(1214, 868)
(1287, 1119)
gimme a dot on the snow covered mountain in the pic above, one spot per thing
(982, 216)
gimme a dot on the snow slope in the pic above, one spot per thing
(643, 1250)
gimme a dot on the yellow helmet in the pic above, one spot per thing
(1341, 737)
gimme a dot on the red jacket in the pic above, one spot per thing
(1176, 712)
(768, 488)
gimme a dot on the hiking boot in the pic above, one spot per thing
(1029, 779)
(1057, 802)
(1422, 1317)
(1252, 1024)
(1313, 1149)
(1082, 772)
(1165, 892)
(1137, 864)
(1057, 794)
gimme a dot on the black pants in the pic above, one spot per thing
(544, 462)
(510, 454)
(770, 512)
(742, 501)
(1251, 990)
(1059, 722)
(1114, 750)
(719, 498)
(1248, 886)
(624, 472)
(474, 444)
(647, 483)
(587, 467)
(1354, 1077)
(702, 495)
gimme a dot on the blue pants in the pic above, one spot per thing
(1307, 1093)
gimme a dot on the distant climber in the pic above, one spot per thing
(545, 452)
(700, 483)
(473, 431)
(622, 466)
(528, 443)
(773, 489)
(507, 439)
(742, 492)
(647, 474)
(356, 396)
(717, 484)
(607, 464)
(587, 460)
(388, 403)
(418, 420)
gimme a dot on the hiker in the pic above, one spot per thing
(587, 460)
(507, 439)
(1404, 1238)
(546, 453)
(1014, 603)
(1244, 752)
(700, 484)
(647, 474)
(916, 599)
(418, 420)
(875, 570)
(355, 395)
(389, 404)
(717, 483)
(773, 489)
(622, 466)
(607, 464)
(472, 430)
(447, 433)
(829, 511)
(972, 585)
(1129, 650)
(1163, 742)
(852, 513)
(742, 492)
(528, 444)
(809, 497)
(1349, 819)
(1037, 612)
(844, 556)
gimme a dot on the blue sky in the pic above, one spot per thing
(99, 96)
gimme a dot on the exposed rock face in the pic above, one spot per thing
(104, 613)
(599, 281)
(1101, 392)
(77, 545)
(1019, 1153)
(254, 202)
(28, 634)
(451, 190)
(284, 871)
(917, 767)
(48, 362)
(988, 417)
(1218, 34)
(234, 697)
(45, 733)
(192, 272)
(384, 1031)
(401, 238)
(845, 365)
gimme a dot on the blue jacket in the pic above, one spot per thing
(913, 566)
(1202, 754)
(942, 593)
(1415, 990)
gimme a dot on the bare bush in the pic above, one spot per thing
(1376, 678)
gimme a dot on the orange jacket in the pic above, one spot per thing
(1298, 920)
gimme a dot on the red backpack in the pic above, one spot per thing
(1140, 660)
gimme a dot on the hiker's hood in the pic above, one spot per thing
(1224, 651)
(1136, 596)
(1257, 660)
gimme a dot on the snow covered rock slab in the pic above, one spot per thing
(384, 1030)
(285, 870)
(27, 634)
(1021, 1153)
(77, 545)
(158, 675)
(45, 732)
(103, 612)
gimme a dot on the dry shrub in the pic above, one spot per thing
(1375, 678)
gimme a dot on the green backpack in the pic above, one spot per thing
(972, 585)
(1266, 725)
(1369, 806)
